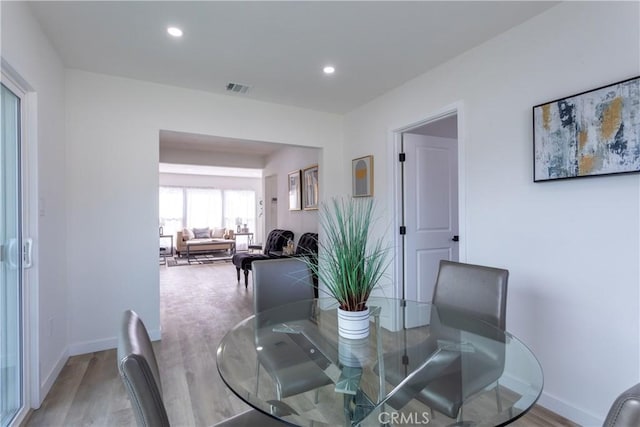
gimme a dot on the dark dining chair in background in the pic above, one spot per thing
(275, 241)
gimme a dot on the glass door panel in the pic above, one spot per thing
(11, 387)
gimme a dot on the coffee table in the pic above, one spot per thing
(205, 242)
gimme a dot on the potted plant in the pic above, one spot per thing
(349, 264)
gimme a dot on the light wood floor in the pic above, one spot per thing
(199, 303)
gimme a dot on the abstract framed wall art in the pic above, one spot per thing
(362, 176)
(295, 191)
(588, 134)
(310, 188)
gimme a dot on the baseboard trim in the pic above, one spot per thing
(155, 335)
(577, 415)
(46, 385)
(105, 344)
(556, 405)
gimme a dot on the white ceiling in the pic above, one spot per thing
(174, 168)
(197, 142)
(446, 127)
(278, 48)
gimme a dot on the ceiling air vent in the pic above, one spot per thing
(237, 88)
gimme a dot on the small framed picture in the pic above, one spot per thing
(362, 176)
(310, 188)
(295, 191)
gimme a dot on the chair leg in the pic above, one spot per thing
(246, 279)
(498, 399)
(257, 375)
(238, 272)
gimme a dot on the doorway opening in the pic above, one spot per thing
(228, 187)
(429, 202)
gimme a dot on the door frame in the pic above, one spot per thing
(32, 392)
(270, 193)
(396, 184)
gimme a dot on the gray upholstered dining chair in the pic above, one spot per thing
(307, 247)
(625, 410)
(139, 371)
(277, 282)
(469, 298)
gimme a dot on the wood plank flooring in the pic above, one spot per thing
(199, 303)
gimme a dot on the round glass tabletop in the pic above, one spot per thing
(420, 364)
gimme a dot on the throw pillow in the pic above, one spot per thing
(187, 234)
(218, 233)
(202, 233)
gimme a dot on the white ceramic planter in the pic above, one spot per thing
(353, 324)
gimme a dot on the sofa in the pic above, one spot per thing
(208, 240)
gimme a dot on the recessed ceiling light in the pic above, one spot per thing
(174, 31)
(329, 69)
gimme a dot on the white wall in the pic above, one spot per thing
(28, 52)
(113, 126)
(572, 247)
(282, 162)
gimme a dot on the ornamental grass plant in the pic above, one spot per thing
(349, 264)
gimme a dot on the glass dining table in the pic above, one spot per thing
(420, 364)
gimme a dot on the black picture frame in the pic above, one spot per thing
(591, 133)
(295, 191)
(310, 188)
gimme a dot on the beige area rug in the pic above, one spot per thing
(199, 259)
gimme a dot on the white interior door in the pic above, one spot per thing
(431, 213)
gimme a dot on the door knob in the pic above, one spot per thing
(455, 238)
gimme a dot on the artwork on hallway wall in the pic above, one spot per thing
(310, 188)
(362, 176)
(295, 193)
(588, 134)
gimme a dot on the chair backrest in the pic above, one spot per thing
(139, 371)
(308, 244)
(280, 281)
(276, 240)
(625, 410)
(472, 290)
